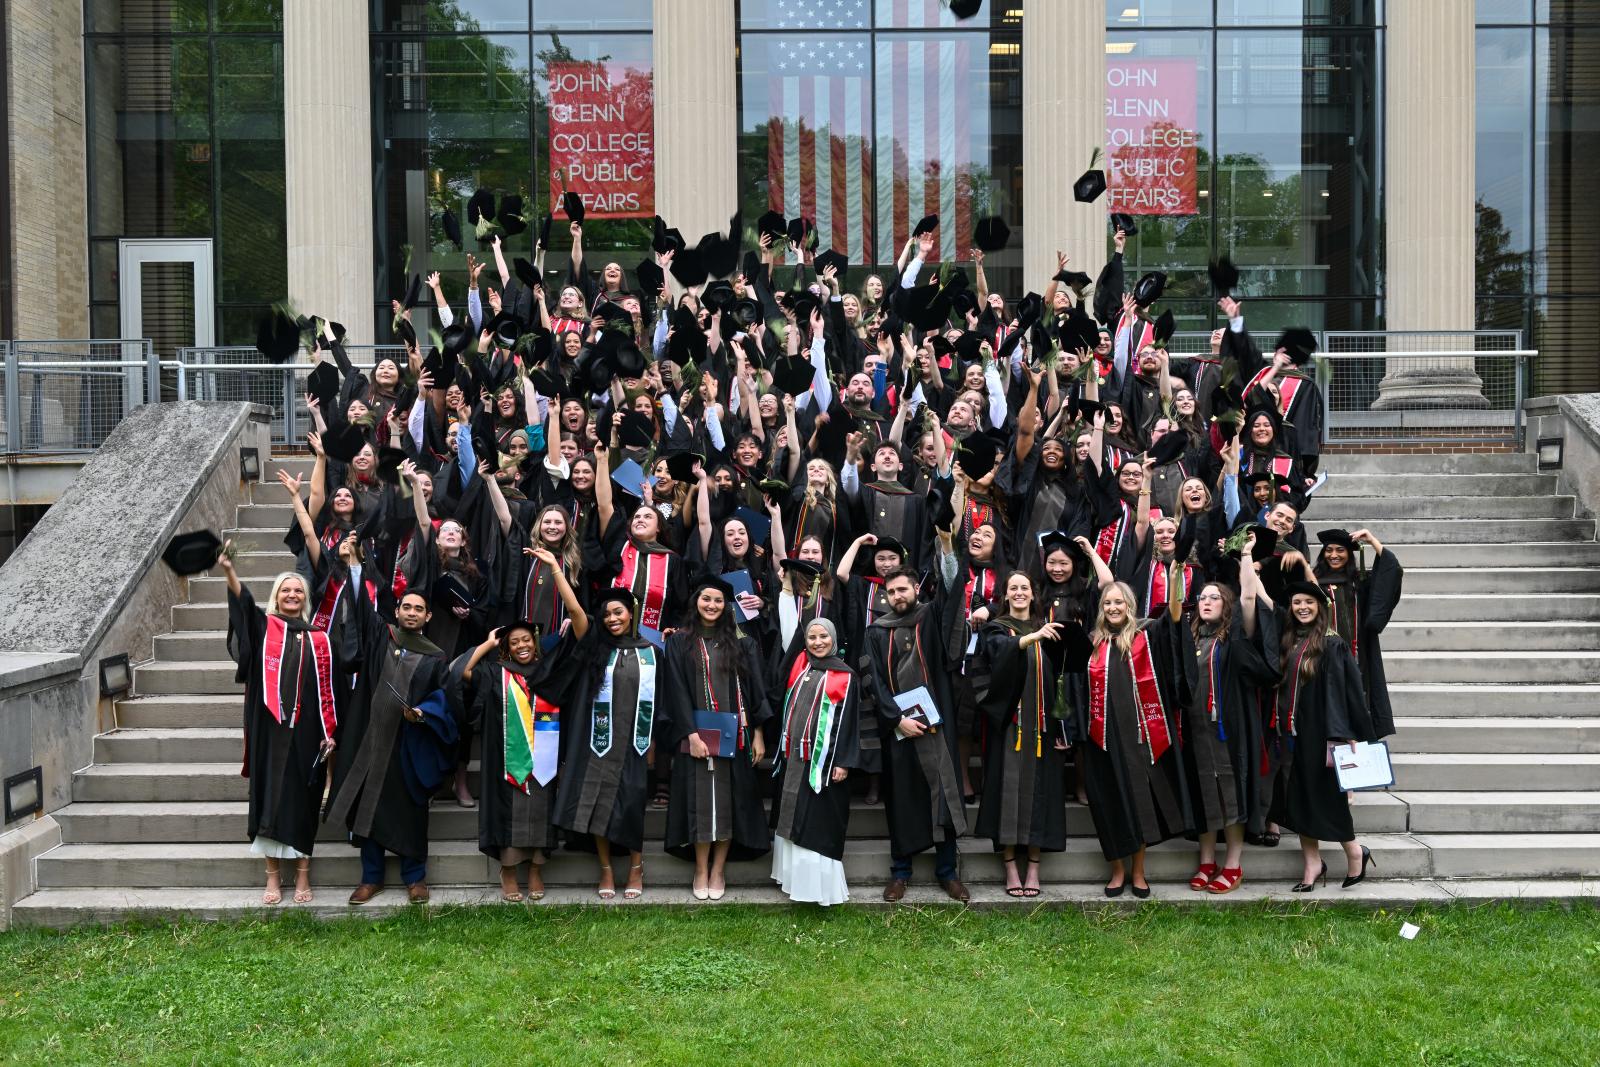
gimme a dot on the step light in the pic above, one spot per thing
(24, 794)
(116, 677)
(249, 465)
(1549, 449)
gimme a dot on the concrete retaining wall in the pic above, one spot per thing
(1575, 420)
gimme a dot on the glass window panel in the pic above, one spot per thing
(145, 16)
(1566, 12)
(451, 16)
(1504, 159)
(1322, 13)
(254, 16)
(1563, 334)
(805, 15)
(252, 230)
(579, 15)
(1516, 11)
(1568, 132)
(1131, 14)
(1298, 142)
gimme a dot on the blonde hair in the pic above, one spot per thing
(305, 602)
(1184, 508)
(570, 555)
(829, 493)
(1123, 637)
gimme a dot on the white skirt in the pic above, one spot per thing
(277, 850)
(808, 877)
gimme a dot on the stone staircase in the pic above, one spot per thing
(1493, 661)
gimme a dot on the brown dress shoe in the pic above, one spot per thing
(955, 890)
(417, 892)
(365, 892)
(895, 890)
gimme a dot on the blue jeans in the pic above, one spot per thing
(412, 870)
(944, 861)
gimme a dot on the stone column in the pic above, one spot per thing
(696, 113)
(1063, 121)
(327, 147)
(1430, 222)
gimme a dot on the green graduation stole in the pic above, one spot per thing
(600, 730)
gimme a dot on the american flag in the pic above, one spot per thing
(838, 102)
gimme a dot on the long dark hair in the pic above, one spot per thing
(1077, 588)
(1225, 623)
(1315, 641)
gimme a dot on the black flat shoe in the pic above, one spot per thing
(1366, 858)
(1143, 893)
(1308, 887)
(1270, 839)
(1116, 890)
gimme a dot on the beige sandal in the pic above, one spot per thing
(630, 893)
(272, 894)
(302, 896)
(606, 894)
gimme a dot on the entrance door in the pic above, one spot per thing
(166, 288)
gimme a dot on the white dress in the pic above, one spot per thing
(808, 877)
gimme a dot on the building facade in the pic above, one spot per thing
(176, 166)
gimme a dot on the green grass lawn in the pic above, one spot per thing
(793, 987)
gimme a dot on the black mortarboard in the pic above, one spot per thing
(1316, 592)
(806, 567)
(681, 465)
(1029, 309)
(413, 293)
(635, 431)
(1254, 477)
(323, 383)
(433, 365)
(1078, 331)
(1085, 408)
(389, 460)
(969, 346)
(793, 375)
(278, 337)
(835, 259)
(1125, 223)
(719, 296)
(1089, 186)
(964, 301)
(1224, 570)
(831, 435)
(689, 268)
(651, 276)
(549, 384)
(1299, 342)
(1266, 541)
(480, 207)
(191, 553)
(614, 314)
(978, 454)
(719, 254)
(772, 225)
(924, 306)
(712, 581)
(572, 204)
(664, 238)
(452, 228)
(965, 9)
(991, 234)
(407, 333)
(746, 312)
(799, 231)
(889, 544)
(456, 337)
(627, 360)
(1074, 279)
(1172, 444)
(510, 217)
(1166, 325)
(615, 594)
(344, 443)
(774, 486)
(1148, 289)
(927, 224)
(1050, 540)
(1337, 537)
(526, 272)
(544, 229)
(1224, 275)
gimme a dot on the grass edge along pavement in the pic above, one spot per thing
(1274, 982)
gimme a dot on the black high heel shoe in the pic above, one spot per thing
(1366, 858)
(1308, 887)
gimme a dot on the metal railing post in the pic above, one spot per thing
(152, 375)
(13, 386)
(1520, 391)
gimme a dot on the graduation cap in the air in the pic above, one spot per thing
(191, 553)
(278, 337)
(793, 375)
(526, 272)
(413, 297)
(831, 435)
(774, 487)
(389, 461)
(681, 465)
(926, 307)
(1266, 541)
(835, 259)
(407, 333)
(612, 314)
(719, 296)
(1078, 331)
(689, 268)
(544, 229)
(1072, 279)
(1091, 184)
(664, 238)
(1224, 275)
(456, 338)
(964, 301)
(572, 204)
(1123, 222)
(802, 232)
(926, 224)
(746, 312)
(1029, 309)
(1148, 289)
(979, 454)
(651, 276)
(452, 228)
(635, 431)
(627, 360)
(1299, 343)
(1085, 409)
(1166, 325)
(965, 9)
(323, 383)
(345, 442)
(969, 346)
(1170, 447)
(480, 206)
(510, 218)
(991, 234)
(719, 254)
(771, 224)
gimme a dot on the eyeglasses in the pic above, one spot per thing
(1209, 596)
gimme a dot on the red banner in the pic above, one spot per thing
(602, 139)
(1150, 135)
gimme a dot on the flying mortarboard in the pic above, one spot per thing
(1299, 343)
(927, 224)
(572, 204)
(835, 259)
(345, 442)
(452, 228)
(510, 217)
(1224, 276)
(772, 225)
(1125, 223)
(1148, 289)
(681, 465)
(278, 337)
(191, 553)
(793, 375)
(991, 234)
(1172, 445)
(323, 383)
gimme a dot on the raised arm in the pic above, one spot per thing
(319, 474)
(847, 562)
(793, 466)
(419, 506)
(1141, 515)
(228, 572)
(497, 499)
(1102, 571)
(780, 548)
(702, 508)
(302, 517)
(569, 596)
(603, 502)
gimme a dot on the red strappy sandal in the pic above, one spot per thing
(1202, 877)
(1226, 881)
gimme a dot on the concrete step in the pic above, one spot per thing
(1492, 734)
(206, 616)
(1543, 667)
(209, 865)
(1514, 855)
(1499, 556)
(1341, 484)
(1364, 464)
(1519, 580)
(1373, 511)
(182, 710)
(1494, 771)
(299, 464)
(263, 564)
(276, 511)
(210, 590)
(165, 677)
(1464, 531)
(266, 539)
(1504, 607)
(193, 645)
(1502, 812)
(1482, 636)
(1449, 699)
(189, 744)
(112, 783)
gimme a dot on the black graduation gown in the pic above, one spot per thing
(370, 795)
(1220, 757)
(606, 793)
(280, 760)
(508, 817)
(1134, 802)
(816, 820)
(602, 561)
(1376, 596)
(1023, 797)
(693, 809)
(1329, 706)
(889, 509)
(921, 783)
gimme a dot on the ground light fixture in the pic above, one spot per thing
(116, 676)
(24, 794)
(249, 464)
(1549, 450)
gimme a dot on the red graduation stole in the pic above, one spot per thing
(1294, 696)
(654, 599)
(1279, 465)
(559, 326)
(272, 674)
(1155, 601)
(330, 600)
(1147, 335)
(981, 583)
(1110, 538)
(835, 687)
(1152, 720)
(1288, 388)
(978, 513)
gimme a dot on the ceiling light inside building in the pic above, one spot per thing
(1119, 48)
(1130, 12)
